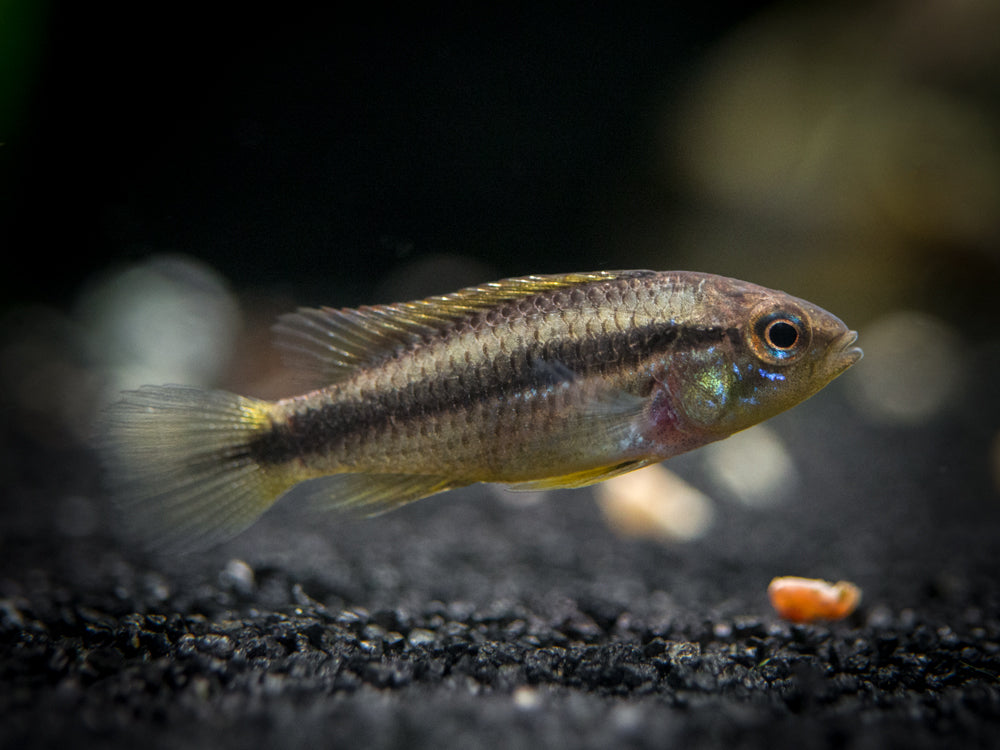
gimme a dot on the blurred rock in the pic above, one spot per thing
(656, 503)
(169, 319)
(914, 367)
(753, 466)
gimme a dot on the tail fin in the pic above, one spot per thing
(180, 468)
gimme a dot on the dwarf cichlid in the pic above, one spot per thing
(534, 382)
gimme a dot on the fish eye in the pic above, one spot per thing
(779, 336)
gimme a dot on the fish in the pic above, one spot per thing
(535, 382)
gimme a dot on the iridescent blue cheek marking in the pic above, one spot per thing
(772, 376)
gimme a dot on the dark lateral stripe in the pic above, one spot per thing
(532, 367)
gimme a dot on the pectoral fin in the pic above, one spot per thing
(599, 429)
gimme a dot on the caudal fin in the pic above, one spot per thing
(180, 468)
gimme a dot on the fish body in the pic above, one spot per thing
(534, 382)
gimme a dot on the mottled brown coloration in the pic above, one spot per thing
(542, 381)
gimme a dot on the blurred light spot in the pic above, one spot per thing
(753, 465)
(912, 368)
(849, 148)
(155, 586)
(627, 718)
(831, 129)
(722, 630)
(527, 698)
(932, 166)
(238, 576)
(655, 503)
(170, 319)
(771, 121)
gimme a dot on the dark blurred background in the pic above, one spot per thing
(172, 178)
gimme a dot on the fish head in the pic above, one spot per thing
(777, 351)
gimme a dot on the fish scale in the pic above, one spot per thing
(534, 382)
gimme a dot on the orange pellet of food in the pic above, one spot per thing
(810, 599)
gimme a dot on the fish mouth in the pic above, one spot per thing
(843, 354)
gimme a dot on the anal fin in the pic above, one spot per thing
(373, 494)
(582, 478)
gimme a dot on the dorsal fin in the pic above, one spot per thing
(330, 343)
